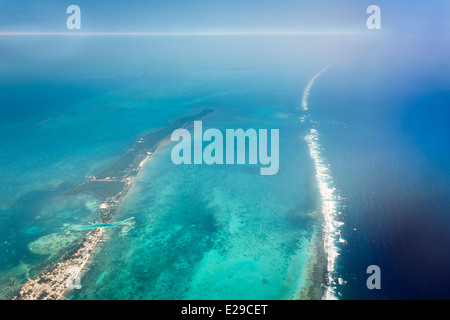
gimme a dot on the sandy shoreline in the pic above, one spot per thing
(54, 284)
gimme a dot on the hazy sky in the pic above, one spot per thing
(398, 16)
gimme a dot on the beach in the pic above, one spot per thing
(53, 285)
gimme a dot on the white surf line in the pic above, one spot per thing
(329, 208)
(309, 86)
(330, 201)
(149, 33)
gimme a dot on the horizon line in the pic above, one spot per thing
(226, 33)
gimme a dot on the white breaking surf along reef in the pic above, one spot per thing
(329, 199)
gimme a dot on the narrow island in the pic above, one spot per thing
(112, 185)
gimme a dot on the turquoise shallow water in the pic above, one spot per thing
(214, 232)
(73, 106)
(198, 232)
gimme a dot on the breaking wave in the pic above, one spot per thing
(329, 200)
(309, 86)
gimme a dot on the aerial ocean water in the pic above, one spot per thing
(364, 165)
(383, 121)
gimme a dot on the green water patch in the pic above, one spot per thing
(102, 276)
(12, 280)
(53, 243)
(33, 230)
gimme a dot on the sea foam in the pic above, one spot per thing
(329, 208)
(329, 200)
(309, 86)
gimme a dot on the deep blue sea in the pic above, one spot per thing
(387, 137)
(69, 107)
